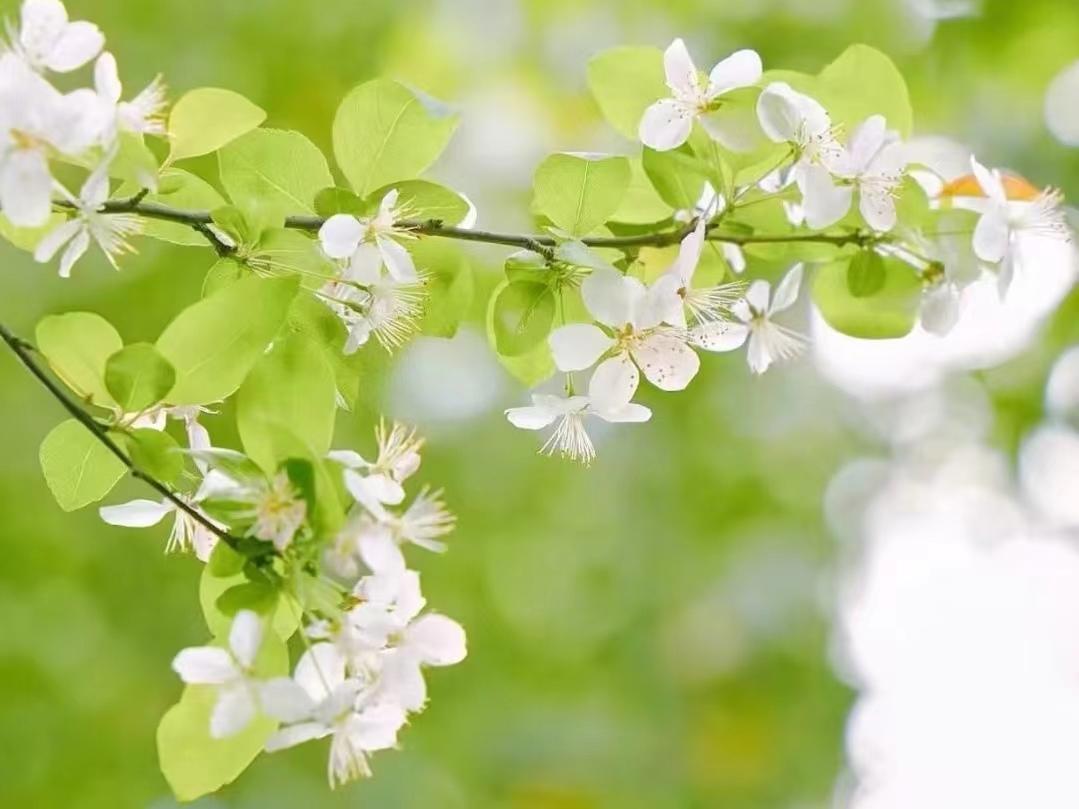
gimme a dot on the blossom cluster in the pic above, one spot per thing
(656, 329)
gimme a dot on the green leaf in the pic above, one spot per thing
(223, 573)
(577, 192)
(290, 391)
(866, 274)
(78, 468)
(193, 762)
(134, 162)
(422, 199)
(204, 120)
(180, 189)
(156, 452)
(137, 376)
(274, 169)
(292, 251)
(224, 272)
(215, 342)
(383, 133)
(864, 82)
(450, 285)
(889, 312)
(677, 175)
(625, 81)
(330, 201)
(523, 314)
(28, 238)
(78, 346)
(314, 321)
(641, 205)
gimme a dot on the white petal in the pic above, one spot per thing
(375, 728)
(689, 252)
(388, 203)
(285, 700)
(663, 303)
(296, 734)
(245, 637)
(787, 291)
(385, 489)
(825, 202)
(320, 670)
(740, 69)
(866, 140)
(578, 346)
(26, 188)
(877, 207)
(380, 552)
(398, 260)
(107, 78)
(940, 310)
(758, 295)
(665, 125)
(535, 417)
(233, 711)
(42, 25)
(679, 68)
(365, 266)
(719, 335)
(437, 640)
(136, 514)
(75, 250)
(78, 44)
(991, 235)
(613, 383)
(990, 181)
(611, 297)
(204, 665)
(340, 235)
(758, 356)
(347, 457)
(55, 239)
(779, 116)
(626, 414)
(403, 681)
(666, 360)
(734, 256)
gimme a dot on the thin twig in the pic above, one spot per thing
(25, 352)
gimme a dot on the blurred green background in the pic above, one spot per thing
(650, 632)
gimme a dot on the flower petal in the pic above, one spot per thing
(611, 297)
(535, 417)
(233, 711)
(787, 291)
(375, 728)
(296, 734)
(398, 260)
(402, 680)
(42, 23)
(379, 551)
(107, 78)
(666, 360)
(992, 234)
(320, 670)
(990, 181)
(578, 346)
(630, 413)
(719, 335)
(940, 309)
(136, 514)
(825, 202)
(204, 665)
(340, 235)
(741, 69)
(78, 44)
(26, 188)
(877, 206)
(665, 125)
(55, 239)
(679, 68)
(437, 640)
(735, 126)
(75, 250)
(285, 700)
(613, 383)
(245, 637)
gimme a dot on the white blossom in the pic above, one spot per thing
(47, 40)
(768, 341)
(143, 115)
(398, 459)
(230, 671)
(379, 533)
(873, 162)
(702, 304)
(369, 243)
(383, 306)
(668, 123)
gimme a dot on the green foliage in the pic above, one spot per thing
(579, 192)
(641, 205)
(383, 133)
(523, 314)
(184, 191)
(866, 274)
(193, 762)
(78, 346)
(291, 391)
(134, 162)
(204, 120)
(888, 311)
(677, 175)
(450, 283)
(28, 238)
(78, 468)
(529, 368)
(156, 453)
(274, 169)
(421, 199)
(624, 82)
(864, 82)
(215, 342)
(137, 376)
(223, 573)
(314, 321)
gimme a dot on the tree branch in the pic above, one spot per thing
(25, 352)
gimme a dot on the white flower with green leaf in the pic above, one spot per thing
(367, 244)
(48, 41)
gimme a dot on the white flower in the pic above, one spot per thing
(110, 231)
(667, 123)
(703, 304)
(279, 511)
(48, 41)
(186, 530)
(398, 459)
(143, 115)
(322, 700)
(874, 162)
(387, 308)
(35, 119)
(768, 341)
(230, 671)
(940, 308)
(369, 243)
(1004, 222)
(379, 535)
(635, 336)
(608, 399)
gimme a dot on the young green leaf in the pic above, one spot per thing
(383, 133)
(78, 346)
(864, 82)
(523, 314)
(223, 573)
(866, 274)
(276, 169)
(579, 192)
(134, 162)
(78, 468)
(291, 390)
(215, 342)
(449, 282)
(204, 120)
(677, 175)
(889, 312)
(155, 452)
(28, 238)
(624, 81)
(529, 368)
(425, 200)
(641, 205)
(137, 376)
(180, 189)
